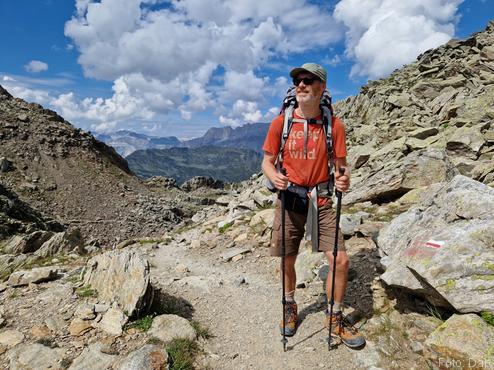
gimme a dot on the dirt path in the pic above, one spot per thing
(243, 317)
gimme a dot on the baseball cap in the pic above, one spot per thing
(313, 68)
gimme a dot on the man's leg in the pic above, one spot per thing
(290, 277)
(342, 265)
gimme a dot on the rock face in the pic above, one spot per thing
(444, 247)
(447, 344)
(122, 277)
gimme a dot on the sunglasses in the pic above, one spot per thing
(307, 80)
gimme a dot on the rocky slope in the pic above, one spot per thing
(425, 122)
(68, 175)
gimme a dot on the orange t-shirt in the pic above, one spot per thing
(313, 169)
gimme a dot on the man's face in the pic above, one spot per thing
(309, 88)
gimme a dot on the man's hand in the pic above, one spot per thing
(342, 182)
(280, 181)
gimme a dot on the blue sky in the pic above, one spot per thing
(179, 67)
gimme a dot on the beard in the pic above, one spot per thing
(306, 98)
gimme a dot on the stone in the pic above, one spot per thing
(35, 356)
(79, 327)
(168, 327)
(85, 311)
(112, 322)
(232, 252)
(40, 331)
(92, 358)
(442, 247)
(121, 276)
(11, 338)
(262, 221)
(466, 341)
(350, 222)
(414, 171)
(27, 243)
(466, 140)
(306, 265)
(36, 275)
(148, 357)
(67, 242)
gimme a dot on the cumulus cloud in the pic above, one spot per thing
(385, 34)
(191, 55)
(35, 66)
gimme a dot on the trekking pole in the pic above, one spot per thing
(283, 301)
(341, 170)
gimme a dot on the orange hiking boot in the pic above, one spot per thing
(342, 328)
(291, 319)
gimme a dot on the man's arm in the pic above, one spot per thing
(342, 182)
(268, 168)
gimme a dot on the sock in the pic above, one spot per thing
(336, 307)
(290, 297)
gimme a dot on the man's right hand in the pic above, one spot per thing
(280, 181)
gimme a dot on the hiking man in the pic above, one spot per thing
(304, 157)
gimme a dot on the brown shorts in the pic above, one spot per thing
(295, 230)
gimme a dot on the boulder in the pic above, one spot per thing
(168, 327)
(443, 248)
(306, 265)
(92, 358)
(462, 342)
(36, 275)
(35, 356)
(27, 243)
(11, 338)
(419, 168)
(148, 357)
(121, 276)
(112, 322)
(67, 241)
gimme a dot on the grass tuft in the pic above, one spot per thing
(182, 352)
(201, 331)
(488, 317)
(142, 324)
(85, 291)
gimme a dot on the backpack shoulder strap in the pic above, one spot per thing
(287, 125)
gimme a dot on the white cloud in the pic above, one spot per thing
(22, 90)
(35, 66)
(385, 34)
(175, 58)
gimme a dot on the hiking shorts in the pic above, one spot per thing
(295, 230)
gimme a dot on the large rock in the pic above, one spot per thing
(444, 247)
(11, 337)
(36, 275)
(149, 357)
(27, 243)
(121, 276)
(35, 356)
(307, 264)
(67, 241)
(112, 322)
(168, 327)
(419, 168)
(462, 342)
(92, 358)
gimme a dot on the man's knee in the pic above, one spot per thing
(342, 260)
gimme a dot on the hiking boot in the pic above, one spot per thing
(342, 328)
(290, 319)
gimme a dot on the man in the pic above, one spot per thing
(305, 160)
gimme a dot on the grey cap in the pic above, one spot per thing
(313, 68)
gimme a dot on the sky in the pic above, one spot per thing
(177, 68)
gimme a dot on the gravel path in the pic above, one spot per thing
(243, 317)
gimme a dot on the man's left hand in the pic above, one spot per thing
(342, 182)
